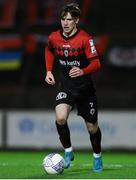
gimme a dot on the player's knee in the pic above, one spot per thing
(61, 120)
(92, 128)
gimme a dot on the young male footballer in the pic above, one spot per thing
(73, 51)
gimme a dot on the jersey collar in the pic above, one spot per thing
(67, 38)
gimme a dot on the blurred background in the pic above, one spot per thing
(27, 102)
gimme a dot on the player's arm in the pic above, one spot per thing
(49, 61)
(92, 56)
(93, 59)
(93, 66)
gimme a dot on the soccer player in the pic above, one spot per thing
(73, 51)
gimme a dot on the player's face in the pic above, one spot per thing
(69, 24)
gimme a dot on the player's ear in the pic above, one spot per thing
(77, 21)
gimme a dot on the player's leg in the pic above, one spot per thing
(87, 108)
(95, 138)
(64, 104)
(62, 113)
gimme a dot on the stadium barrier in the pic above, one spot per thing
(36, 129)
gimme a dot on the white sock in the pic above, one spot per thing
(96, 155)
(68, 149)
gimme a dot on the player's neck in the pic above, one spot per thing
(71, 33)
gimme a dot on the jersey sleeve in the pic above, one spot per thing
(91, 54)
(49, 57)
(93, 66)
(89, 48)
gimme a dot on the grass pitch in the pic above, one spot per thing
(28, 165)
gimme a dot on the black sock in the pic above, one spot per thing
(96, 141)
(64, 135)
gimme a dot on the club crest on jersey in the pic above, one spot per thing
(61, 95)
(66, 52)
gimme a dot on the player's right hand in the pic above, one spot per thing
(50, 78)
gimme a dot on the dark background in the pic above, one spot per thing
(110, 22)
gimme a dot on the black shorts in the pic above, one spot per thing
(85, 101)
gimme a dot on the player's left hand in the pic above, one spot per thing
(75, 72)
